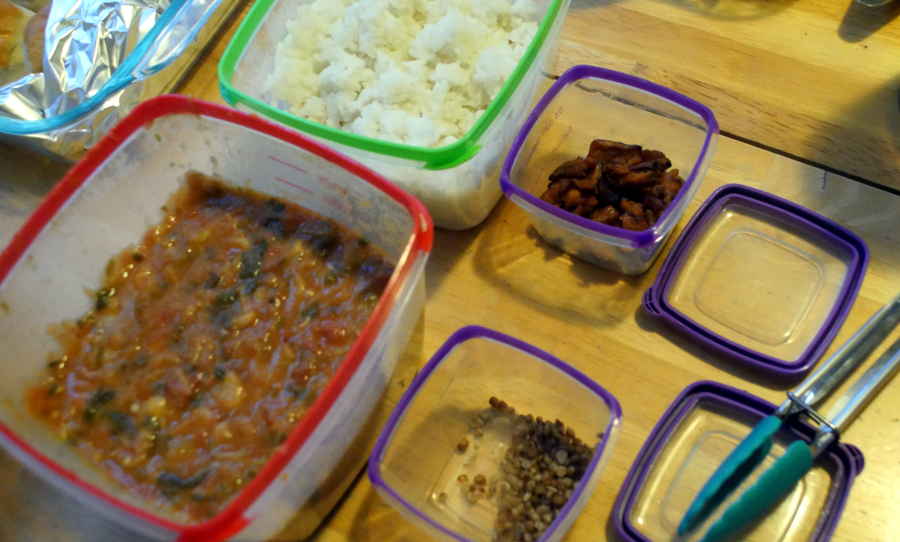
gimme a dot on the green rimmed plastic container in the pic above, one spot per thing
(457, 182)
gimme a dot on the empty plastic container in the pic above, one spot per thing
(416, 458)
(456, 182)
(107, 201)
(698, 431)
(588, 103)
(760, 279)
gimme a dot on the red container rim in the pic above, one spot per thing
(232, 518)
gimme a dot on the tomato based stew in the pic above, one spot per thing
(207, 342)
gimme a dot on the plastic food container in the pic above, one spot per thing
(760, 279)
(588, 103)
(457, 182)
(698, 431)
(110, 60)
(107, 201)
(415, 458)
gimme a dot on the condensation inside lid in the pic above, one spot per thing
(697, 446)
(760, 279)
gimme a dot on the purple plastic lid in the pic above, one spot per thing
(847, 460)
(460, 336)
(635, 238)
(833, 242)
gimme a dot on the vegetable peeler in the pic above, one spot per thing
(780, 478)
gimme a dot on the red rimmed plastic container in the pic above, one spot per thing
(107, 201)
(587, 103)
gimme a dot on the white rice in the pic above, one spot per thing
(418, 72)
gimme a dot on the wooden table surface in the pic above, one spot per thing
(817, 79)
(829, 96)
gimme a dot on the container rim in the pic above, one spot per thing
(848, 459)
(636, 239)
(477, 332)
(230, 519)
(436, 158)
(654, 300)
(124, 75)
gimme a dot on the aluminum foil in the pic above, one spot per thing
(98, 56)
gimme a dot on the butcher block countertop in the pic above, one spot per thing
(806, 93)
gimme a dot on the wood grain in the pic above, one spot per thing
(818, 79)
(787, 74)
(500, 275)
(591, 318)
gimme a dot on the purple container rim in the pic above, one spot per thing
(847, 458)
(654, 298)
(475, 332)
(636, 239)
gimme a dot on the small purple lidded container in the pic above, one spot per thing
(760, 279)
(416, 463)
(587, 103)
(697, 432)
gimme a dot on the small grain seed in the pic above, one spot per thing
(442, 497)
(562, 456)
(462, 445)
(472, 495)
(542, 465)
(462, 479)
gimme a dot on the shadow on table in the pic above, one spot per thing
(734, 368)
(513, 257)
(448, 249)
(377, 521)
(870, 212)
(860, 21)
(714, 9)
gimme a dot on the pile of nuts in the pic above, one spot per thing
(615, 184)
(542, 466)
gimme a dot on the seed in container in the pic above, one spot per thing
(539, 471)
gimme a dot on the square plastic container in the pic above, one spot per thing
(588, 103)
(761, 279)
(107, 201)
(415, 458)
(457, 182)
(698, 431)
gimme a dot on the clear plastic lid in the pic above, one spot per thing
(704, 424)
(760, 278)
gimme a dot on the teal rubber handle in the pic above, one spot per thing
(736, 467)
(774, 485)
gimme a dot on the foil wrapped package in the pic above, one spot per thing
(100, 59)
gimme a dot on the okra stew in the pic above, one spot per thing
(207, 342)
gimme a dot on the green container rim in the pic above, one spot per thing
(436, 158)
